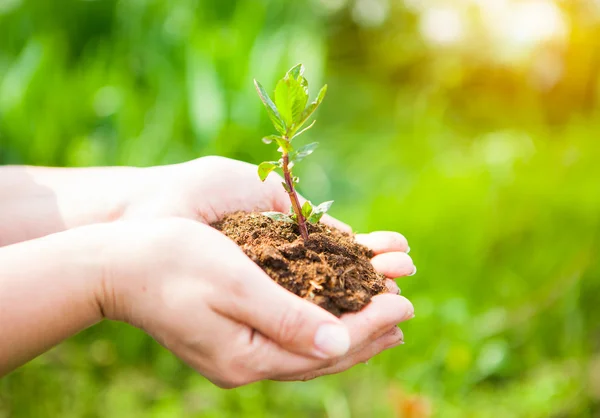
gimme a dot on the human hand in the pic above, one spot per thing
(196, 293)
(207, 188)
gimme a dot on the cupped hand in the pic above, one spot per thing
(206, 189)
(197, 293)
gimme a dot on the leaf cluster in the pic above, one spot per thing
(289, 112)
(311, 213)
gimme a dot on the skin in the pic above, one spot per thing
(134, 245)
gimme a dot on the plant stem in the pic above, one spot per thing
(287, 174)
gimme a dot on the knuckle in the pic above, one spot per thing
(289, 325)
(234, 375)
(254, 362)
(227, 384)
(392, 337)
(309, 376)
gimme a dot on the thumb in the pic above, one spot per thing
(293, 323)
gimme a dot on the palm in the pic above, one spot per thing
(210, 187)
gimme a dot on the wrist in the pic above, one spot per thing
(38, 201)
(47, 294)
(90, 196)
(80, 255)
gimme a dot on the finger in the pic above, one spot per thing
(392, 287)
(271, 362)
(383, 242)
(238, 355)
(335, 223)
(384, 312)
(394, 264)
(264, 359)
(391, 339)
(253, 298)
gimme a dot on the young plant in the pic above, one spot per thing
(289, 112)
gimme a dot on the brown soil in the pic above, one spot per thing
(330, 269)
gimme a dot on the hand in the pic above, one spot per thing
(207, 188)
(196, 293)
(47, 201)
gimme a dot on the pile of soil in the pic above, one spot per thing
(330, 269)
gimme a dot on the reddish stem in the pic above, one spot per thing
(287, 174)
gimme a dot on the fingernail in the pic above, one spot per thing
(332, 340)
(408, 249)
(401, 342)
(414, 271)
(409, 315)
(392, 287)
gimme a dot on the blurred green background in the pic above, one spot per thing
(470, 126)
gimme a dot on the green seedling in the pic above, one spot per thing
(289, 112)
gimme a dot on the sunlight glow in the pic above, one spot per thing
(442, 26)
(508, 24)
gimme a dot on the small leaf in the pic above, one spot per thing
(296, 179)
(278, 216)
(319, 211)
(305, 129)
(305, 151)
(304, 83)
(265, 168)
(307, 209)
(311, 108)
(324, 207)
(285, 186)
(315, 218)
(269, 139)
(296, 71)
(284, 145)
(291, 99)
(272, 111)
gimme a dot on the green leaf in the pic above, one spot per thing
(307, 209)
(304, 151)
(310, 109)
(319, 211)
(265, 168)
(304, 83)
(296, 71)
(291, 99)
(272, 111)
(284, 145)
(269, 139)
(285, 186)
(278, 216)
(305, 129)
(292, 214)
